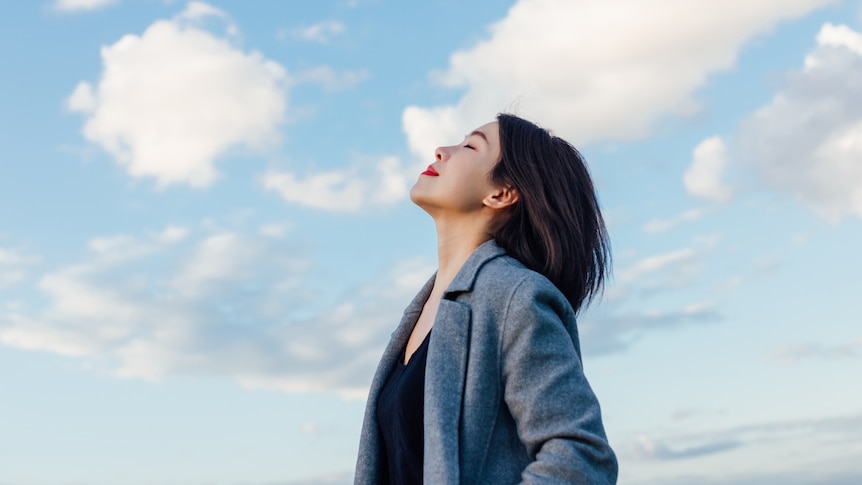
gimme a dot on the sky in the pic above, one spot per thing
(206, 239)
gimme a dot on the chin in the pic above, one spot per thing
(415, 194)
(419, 199)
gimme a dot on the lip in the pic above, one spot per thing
(430, 172)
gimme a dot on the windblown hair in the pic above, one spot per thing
(556, 227)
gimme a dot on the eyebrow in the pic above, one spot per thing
(479, 134)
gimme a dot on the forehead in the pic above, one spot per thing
(491, 131)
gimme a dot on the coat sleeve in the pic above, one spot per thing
(555, 411)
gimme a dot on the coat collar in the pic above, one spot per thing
(466, 276)
(464, 279)
(419, 300)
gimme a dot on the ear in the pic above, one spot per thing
(501, 198)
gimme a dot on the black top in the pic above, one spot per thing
(400, 414)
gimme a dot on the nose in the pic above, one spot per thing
(441, 154)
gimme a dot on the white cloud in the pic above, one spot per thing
(198, 10)
(82, 99)
(808, 140)
(661, 225)
(10, 257)
(68, 5)
(629, 308)
(758, 268)
(649, 449)
(173, 234)
(330, 80)
(175, 98)
(834, 441)
(321, 32)
(656, 263)
(335, 190)
(616, 329)
(274, 229)
(14, 266)
(838, 36)
(594, 70)
(426, 129)
(348, 190)
(794, 353)
(221, 303)
(704, 177)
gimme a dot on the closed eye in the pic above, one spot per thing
(469, 146)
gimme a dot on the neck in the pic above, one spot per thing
(456, 241)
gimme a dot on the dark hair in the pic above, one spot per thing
(556, 227)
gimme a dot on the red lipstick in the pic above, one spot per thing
(430, 172)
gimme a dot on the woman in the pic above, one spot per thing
(482, 381)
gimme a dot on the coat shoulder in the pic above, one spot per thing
(505, 276)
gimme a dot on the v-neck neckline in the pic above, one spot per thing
(421, 348)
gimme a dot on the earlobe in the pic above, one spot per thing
(501, 198)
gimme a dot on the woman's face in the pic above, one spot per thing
(459, 179)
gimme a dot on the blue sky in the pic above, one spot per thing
(205, 239)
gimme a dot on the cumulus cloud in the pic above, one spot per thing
(322, 32)
(346, 190)
(594, 70)
(217, 303)
(808, 140)
(68, 5)
(172, 100)
(704, 177)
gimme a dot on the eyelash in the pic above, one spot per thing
(469, 146)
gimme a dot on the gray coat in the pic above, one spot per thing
(506, 400)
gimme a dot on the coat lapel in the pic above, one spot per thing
(444, 387)
(446, 371)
